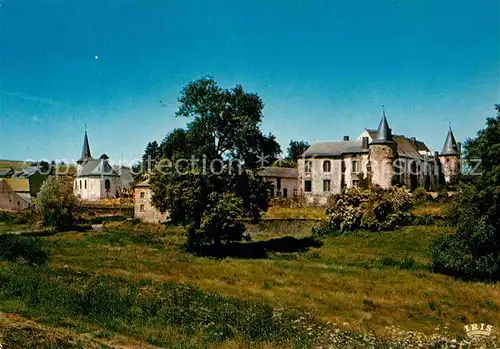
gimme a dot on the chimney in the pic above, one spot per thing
(346, 138)
(365, 143)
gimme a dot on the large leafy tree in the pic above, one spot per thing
(151, 155)
(474, 251)
(219, 153)
(295, 150)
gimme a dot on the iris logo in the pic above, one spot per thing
(478, 330)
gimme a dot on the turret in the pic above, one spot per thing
(383, 153)
(450, 157)
(85, 152)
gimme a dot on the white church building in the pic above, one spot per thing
(95, 179)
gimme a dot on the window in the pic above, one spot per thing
(326, 185)
(142, 195)
(285, 192)
(278, 184)
(307, 186)
(327, 166)
(272, 192)
(355, 166)
(80, 184)
(107, 185)
(307, 166)
(85, 184)
(355, 183)
(142, 208)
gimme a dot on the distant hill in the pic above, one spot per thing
(19, 165)
(15, 164)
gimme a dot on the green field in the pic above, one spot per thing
(134, 284)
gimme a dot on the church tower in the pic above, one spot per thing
(85, 152)
(450, 158)
(383, 152)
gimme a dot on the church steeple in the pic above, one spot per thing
(86, 149)
(384, 134)
(450, 145)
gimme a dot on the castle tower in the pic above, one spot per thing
(383, 152)
(450, 158)
(85, 151)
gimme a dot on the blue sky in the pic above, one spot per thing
(323, 68)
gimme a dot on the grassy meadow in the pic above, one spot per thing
(134, 286)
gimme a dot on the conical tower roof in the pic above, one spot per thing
(450, 145)
(384, 134)
(85, 150)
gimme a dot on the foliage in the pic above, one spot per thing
(295, 150)
(420, 195)
(220, 152)
(23, 249)
(17, 217)
(55, 202)
(425, 219)
(220, 222)
(473, 252)
(374, 209)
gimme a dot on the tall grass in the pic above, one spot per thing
(134, 308)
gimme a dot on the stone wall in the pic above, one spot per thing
(9, 200)
(450, 166)
(143, 209)
(382, 158)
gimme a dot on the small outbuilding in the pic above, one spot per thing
(143, 208)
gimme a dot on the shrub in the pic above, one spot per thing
(425, 219)
(421, 195)
(220, 223)
(373, 209)
(29, 250)
(56, 202)
(17, 217)
(473, 252)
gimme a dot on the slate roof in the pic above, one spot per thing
(85, 150)
(281, 172)
(406, 147)
(93, 168)
(421, 146)
(26, 173)
(334, 149)
(6, 172)
(450, 145)
(384, 134)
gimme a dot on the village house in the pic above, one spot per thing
(284, 181)
(143, 208)
(14, 194)
(96, 179)
(378, 157)
(19, 188)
